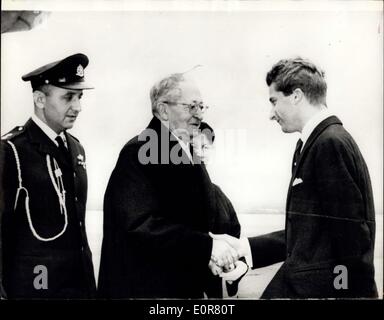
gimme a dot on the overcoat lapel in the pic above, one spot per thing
(198, 169)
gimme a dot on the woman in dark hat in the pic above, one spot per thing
(226, 220)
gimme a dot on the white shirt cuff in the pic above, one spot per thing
(247, 251)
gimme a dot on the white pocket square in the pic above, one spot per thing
(297, 181)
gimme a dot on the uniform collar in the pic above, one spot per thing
(48, 131)
(312, 123)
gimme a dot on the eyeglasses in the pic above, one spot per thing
(192, 107)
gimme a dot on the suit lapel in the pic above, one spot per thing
(312, 138)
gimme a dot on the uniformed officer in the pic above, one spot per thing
(43, 191)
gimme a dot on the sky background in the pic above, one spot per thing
(130, 50)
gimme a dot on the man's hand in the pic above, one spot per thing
(215, 269)
(239, 271)
(223, 254)
(239, 245)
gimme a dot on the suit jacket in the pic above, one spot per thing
(330, 221)
(68, 258)
(156, 223)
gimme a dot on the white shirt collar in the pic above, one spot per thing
(48, 131)
(313, 123)
(184, 146)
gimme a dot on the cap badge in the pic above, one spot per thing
(80, 71)
(62, 80)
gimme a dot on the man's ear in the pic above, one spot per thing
(39, 99)
(162, 110)
(297, 95)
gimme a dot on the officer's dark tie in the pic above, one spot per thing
(62, 146)
(296, 155)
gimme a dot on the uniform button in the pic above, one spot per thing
(81, 223)
(76, 199)
(20, 128)
(74, 174)
(289, 254)
(82, 249)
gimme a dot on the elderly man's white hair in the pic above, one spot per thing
(167, 88)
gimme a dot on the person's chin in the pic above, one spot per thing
(69, 125)
(282, 127)
(287, 130)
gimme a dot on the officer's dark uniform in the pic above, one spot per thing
(27, 256)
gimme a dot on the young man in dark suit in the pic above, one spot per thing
(328, 242)
(43, 192)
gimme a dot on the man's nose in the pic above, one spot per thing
(199, 114)
(272, 115)
(76, 105)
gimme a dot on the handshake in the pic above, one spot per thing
(226, 252)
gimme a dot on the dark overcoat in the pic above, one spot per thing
(157, 217)
(330, 222)
(67, 259)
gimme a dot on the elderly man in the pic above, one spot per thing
(330, 219)
(45, 253)
(159, 206)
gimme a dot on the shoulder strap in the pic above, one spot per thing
(13, 133)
